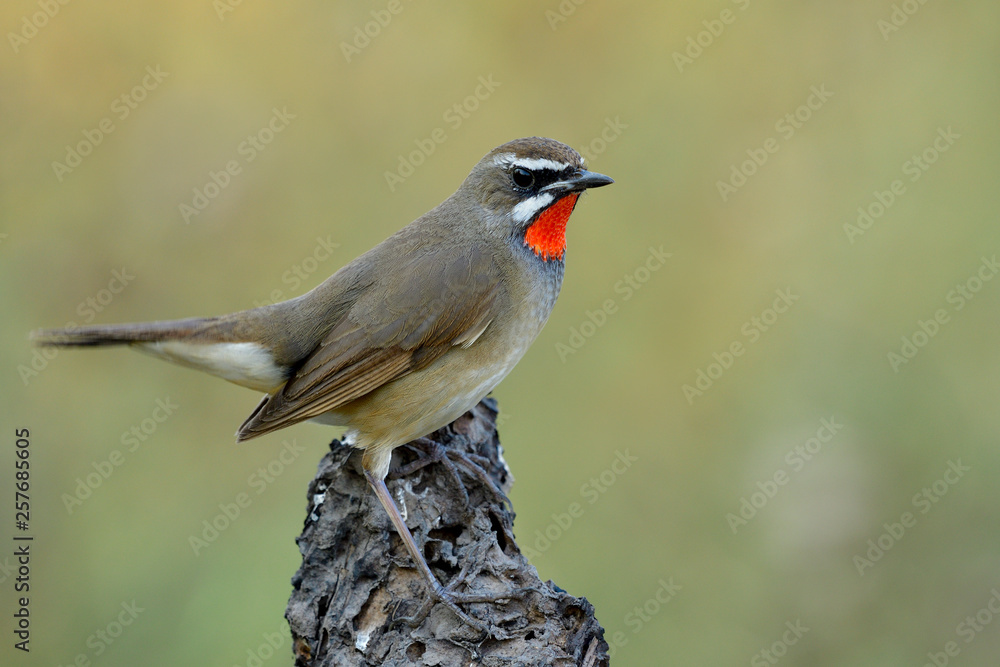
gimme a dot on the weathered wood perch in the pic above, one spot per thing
(357, 584)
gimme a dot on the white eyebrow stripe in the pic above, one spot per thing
(528, 208)
(530, 163)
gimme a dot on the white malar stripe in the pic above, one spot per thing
(529, 208)
(246, 364)
(531, 164)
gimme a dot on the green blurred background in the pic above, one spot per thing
(607, 79)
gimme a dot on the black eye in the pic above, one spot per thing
(522, 177)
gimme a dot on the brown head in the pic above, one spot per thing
(526, 190)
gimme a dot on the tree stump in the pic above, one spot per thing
(357, 585)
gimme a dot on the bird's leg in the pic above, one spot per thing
(442, 594)
(435, 452)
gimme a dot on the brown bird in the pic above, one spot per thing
(408, 336)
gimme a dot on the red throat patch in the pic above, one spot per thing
(547, 235)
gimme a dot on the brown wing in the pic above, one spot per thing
(435, 300)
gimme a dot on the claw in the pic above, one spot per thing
(474, 464)
(434, 453)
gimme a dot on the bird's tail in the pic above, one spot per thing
(122, 334)
(215, 345)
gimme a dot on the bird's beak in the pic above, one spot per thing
(580, 181)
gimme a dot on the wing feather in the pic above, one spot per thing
(393, 328)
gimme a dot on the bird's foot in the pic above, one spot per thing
(448, 596)
(434, 452)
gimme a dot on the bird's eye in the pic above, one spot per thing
(522, 177)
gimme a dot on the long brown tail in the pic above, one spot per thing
(212, 345)
(122, 334)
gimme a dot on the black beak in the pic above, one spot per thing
(580, 181)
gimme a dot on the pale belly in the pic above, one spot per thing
(422, 402)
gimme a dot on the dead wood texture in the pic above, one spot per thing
(357, 583)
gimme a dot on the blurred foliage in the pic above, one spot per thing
(607, 78)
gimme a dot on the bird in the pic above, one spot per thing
(408, 336)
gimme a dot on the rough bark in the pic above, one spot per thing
(357, 583)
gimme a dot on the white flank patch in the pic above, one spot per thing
(246, 364)
(529, 163)
(470, 337)
(529, 208)
(361, 641)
